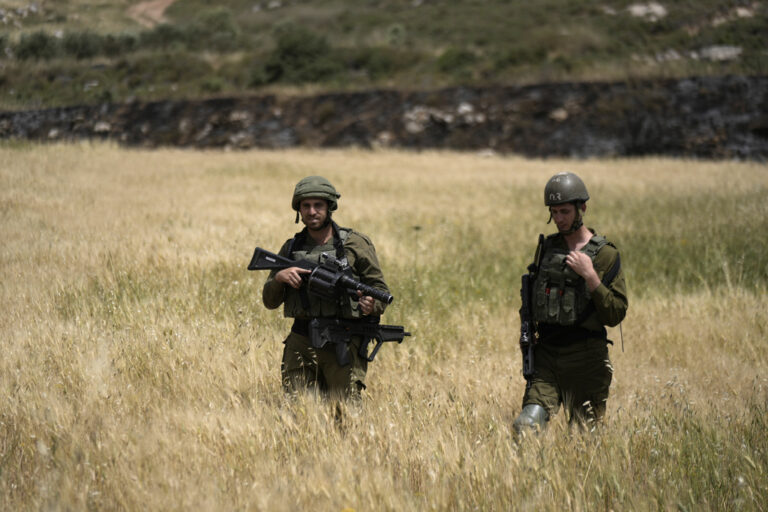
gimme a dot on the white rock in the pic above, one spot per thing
(651, 11)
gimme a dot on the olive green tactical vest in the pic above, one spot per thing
(343, 307)
(560, 295)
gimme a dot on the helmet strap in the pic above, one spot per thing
(578, 221)
(328, 219)
(297, 217)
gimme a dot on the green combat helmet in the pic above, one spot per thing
(565, 187)
(315, 186)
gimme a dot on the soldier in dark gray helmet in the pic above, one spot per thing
(303, 366)
(578, 288)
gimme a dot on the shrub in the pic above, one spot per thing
(114, 45)
(83, 45)
(455, 59)
(213, 84)
(164, 36)
(214, 29)
(519, 55)
(37, 46)
(301, 56)
(397, 35)
(163, 68)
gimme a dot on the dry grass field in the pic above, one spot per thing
(140, 370)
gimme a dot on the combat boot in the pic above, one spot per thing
(533, 417)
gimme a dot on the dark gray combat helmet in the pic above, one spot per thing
(315, 186)
(565, 187)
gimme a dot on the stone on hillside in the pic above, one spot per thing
(720, 53)
(651, 11)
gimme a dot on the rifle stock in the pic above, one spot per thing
(265, 260)
(338, 332)
(527, 337)
(527, 326)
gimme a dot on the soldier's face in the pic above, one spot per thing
(313, 213)
(563, 215)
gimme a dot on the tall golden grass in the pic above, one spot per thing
(140, 370)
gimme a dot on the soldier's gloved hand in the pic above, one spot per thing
(366, 303)
(291, 276)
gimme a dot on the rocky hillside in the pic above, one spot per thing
(712, 117)
(55, 53)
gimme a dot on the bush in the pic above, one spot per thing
(163, 68)
(83, 45)
(164, 36)
(301, 56)
(455, 59)
(37, 46)
(258, 76)
(518, 56)
(214, 29)
(379, 62)
(213, 84)
(114, 45)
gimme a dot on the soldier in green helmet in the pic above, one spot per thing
(304, 367)
(577, 289)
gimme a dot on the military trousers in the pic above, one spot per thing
(577, 375)
(305, 367)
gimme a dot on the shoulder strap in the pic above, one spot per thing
(297, 241)
(594, 245)
(339, 236)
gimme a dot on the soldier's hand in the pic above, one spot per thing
(582, 265)
(366, 303)
(291, 276)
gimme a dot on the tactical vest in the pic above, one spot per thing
(301, 304)
(560, 295)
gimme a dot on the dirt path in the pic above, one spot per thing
(149, 13)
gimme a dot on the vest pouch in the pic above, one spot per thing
(553, 304)
(539, 301)
(568, 306)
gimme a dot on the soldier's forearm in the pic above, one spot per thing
(273, 294)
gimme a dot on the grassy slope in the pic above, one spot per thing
(386, 43)
(140, 369)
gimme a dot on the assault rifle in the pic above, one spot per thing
(527, 327)
(328, 279)
(338, 332)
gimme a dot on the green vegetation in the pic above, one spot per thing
(348, 44)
